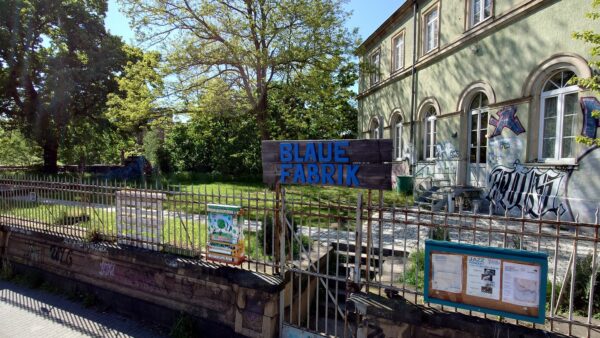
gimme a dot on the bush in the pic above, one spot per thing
(415, 273)
(583, 275)
(265, 238)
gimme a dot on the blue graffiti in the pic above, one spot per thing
(507, 118)
(590, 123)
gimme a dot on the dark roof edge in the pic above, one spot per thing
(382, 29)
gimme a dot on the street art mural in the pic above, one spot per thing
(590, 123)
(507, 118)
(504, 151)
(524, 190)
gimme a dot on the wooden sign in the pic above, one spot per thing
(225, 234)
(140, 218)
(503, 282)
(348, 163)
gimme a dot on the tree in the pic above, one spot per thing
(134, 105)
(57, 65)
(592, 83)
(248, 43)
(316, 104)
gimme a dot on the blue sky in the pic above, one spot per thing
(367, 16)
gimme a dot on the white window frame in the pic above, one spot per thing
(374, 76)
(429, 25)
(560, 94)
(429, 132)
(482, 18)
(398, 51)
(398, 139)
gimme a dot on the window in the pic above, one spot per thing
(431, 30)
(480, 10)
(398, 138)
(398, 52)
(374, 61)
(374, 130)
(478, 116)
(429, 150)
(558, 118)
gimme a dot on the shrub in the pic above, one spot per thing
(415, 273)
(265, 238)
(583, 275)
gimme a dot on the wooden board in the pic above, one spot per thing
(349, 163)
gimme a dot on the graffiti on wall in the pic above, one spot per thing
(61, 255)
(446, 151)
(107, 269)
(504, 151)
(507, 118)
(590, 123)
(526, 190)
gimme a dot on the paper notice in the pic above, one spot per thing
(521, 284)
(483, 277)
(447, 273)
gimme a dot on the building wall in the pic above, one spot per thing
(509, 57)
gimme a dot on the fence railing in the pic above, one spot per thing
(335, 242)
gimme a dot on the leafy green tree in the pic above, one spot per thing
(134, 105)
(57, 65)
(316, 104)
(249, 44)
(17, 150)
(591, 83)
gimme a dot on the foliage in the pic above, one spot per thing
(57, 64)
(415, 273)
(265, 238)
(248, 44)
(217, 139)
(439, 233)
(183, 327)
(134, 105)
(583, 277)
(155, 152)
(17, 150)
(592, 83)
(315, 105)
(87, 141)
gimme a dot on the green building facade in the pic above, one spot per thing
(476, 95)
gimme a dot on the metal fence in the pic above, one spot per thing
(326, 243)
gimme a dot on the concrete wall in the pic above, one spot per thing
(239, 301)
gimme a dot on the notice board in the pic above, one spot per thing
(503, 282)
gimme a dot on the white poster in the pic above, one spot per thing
(483, 277)
(446, 273)
(521, 284)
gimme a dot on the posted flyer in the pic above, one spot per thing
(483, 277)
(521, 284)
(447, 273)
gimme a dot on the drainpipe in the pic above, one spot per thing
(413, 98)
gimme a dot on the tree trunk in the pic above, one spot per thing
(261, 116)
(50, 157)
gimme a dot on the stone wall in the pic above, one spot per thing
(383, 317)
(240, 301)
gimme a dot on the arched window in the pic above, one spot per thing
(559, 109)
(429, 132)
(397, 135)
(478, 120)
(374, 132)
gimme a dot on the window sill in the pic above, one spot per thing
(480, 24)
(552, 164)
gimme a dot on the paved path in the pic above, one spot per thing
(33, 313)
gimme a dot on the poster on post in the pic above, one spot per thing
(496, 281)
(225, 234)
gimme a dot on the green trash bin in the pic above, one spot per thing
(404, 184)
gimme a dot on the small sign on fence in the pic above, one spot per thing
(503, 282)
(349, 163)
(225, 234)
(140, 218)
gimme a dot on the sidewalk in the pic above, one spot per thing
(34, 313)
